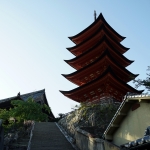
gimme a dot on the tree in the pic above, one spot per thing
(145, 83)
(23, 111)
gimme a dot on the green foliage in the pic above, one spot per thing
(145, 83)
(4, 115)
(22, 111)
(29, 110)
(102, 112)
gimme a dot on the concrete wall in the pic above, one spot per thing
(134, 125)
(110, 146)
(84, 141)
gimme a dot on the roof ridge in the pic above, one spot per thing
(100, 17)
(5, 99)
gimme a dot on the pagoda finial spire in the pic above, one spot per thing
(94, 15)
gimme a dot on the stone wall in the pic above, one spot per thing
(95, 116)
(84, 141)
(70, 122)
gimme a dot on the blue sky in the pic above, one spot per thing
(34, 36)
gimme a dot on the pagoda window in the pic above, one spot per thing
(86, 63)
(98, 72)
(92, 92)
(92, 75)
(116, 92)
(91, 60)
(85, 96)
(99, 90)
(95, 97)
(86, 78)
(88, 99)
(111, 90)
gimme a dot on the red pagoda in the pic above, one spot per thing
(100, 64)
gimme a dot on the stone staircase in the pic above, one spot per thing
(47, 136)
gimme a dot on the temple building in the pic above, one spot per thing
(37, 96)
(100, 64)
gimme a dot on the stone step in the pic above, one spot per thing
(47, 136)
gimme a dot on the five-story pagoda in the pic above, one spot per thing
(100, 64)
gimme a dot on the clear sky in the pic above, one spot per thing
(34, 36)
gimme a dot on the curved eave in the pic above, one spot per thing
(100, 29)
(76, 46)
(46, 102)
(100, 17)
(69, 64)
(104, 39)
(108, 71)
(105, 54)
(121, 37)
(73, 49)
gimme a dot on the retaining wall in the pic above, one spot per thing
(85, 141)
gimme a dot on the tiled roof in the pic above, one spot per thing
(139, 144)
(38, 96)
(35, 95)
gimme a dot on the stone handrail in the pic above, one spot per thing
(31, 134)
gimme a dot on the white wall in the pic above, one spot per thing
(134, 125)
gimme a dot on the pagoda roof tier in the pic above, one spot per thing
(92, 40)
(106, 84)
(95, 52)
(83, 35)
(96, 68)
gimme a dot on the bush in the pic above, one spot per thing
(23, 111)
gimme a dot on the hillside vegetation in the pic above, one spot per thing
(93, 118)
